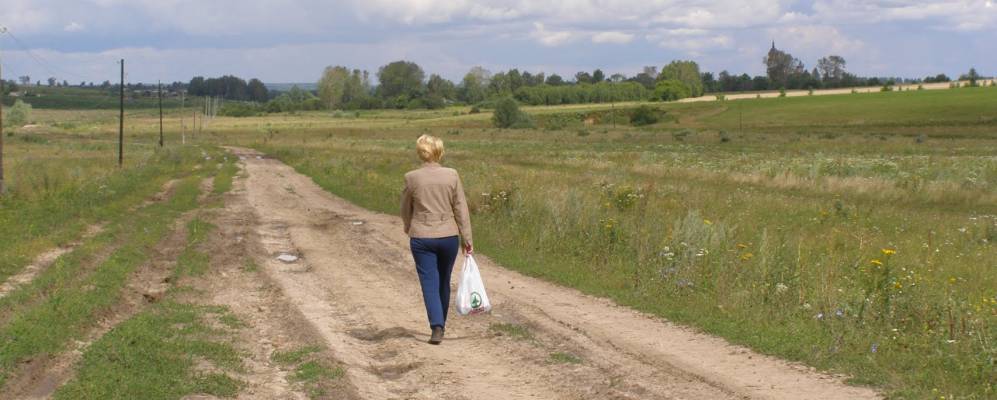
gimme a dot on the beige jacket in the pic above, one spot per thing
(433, 204)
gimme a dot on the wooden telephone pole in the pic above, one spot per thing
(3, 188)
(121, 118)
(160, 114)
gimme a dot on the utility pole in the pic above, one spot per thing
(160, 114)
(121, 118)
(183, 109)
(3, 187)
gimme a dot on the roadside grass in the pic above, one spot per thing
(564, 358)
(515, 331)
(193, 262)
(867, 254)
(69, 301)
(57, 189)
(165, 352)
(310, 369)
(171, 349)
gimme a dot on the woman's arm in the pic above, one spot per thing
(462, 216)
(407, 206)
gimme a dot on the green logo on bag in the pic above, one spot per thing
(475, 300)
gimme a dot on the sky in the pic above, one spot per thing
(293, 40)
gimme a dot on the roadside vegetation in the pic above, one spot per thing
(853, 233)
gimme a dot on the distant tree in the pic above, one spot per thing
(107, 84)
(671, 90)
(972, 77)
(686, 72)
(781, 66)
(25, 80)
(65, 83)
(52, 81)
(515, 79)
(258, 91)
(332, 86)
(832, 69)
(472, 87)
(441, 88)
(617, 78)
(555, 80)
(647, 77)
(940, 78)
(583, 77)
(400, 78)
(598, 76)
(500, 85)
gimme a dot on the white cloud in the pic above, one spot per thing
(551, 38)
(612, 37)
(816, 40)
(691, 41)
(73, 27)
(959, 15)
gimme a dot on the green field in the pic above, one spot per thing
(854, 233)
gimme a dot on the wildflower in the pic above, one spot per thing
(876, 262)
(806, 306)
(898, 285)
(781, 288)
(742, 246)
(707, 222)
(819, 316)
(839, 313)
(875, 346)
(889, 252)
(952, 280)
(746, 256)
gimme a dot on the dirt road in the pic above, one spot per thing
(356, 286)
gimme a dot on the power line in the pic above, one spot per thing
(38, 59)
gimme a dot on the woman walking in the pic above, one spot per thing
(434, 211)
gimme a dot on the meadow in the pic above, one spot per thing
(854, 233)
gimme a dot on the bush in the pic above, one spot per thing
(238, 109)
(434, 102)
(782, 92)
(508, 115)
(19, 114)
(474, 110)
(670, 90)
(644, 115)
(415, 104)
(886, 88)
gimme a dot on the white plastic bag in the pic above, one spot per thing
(471, 297)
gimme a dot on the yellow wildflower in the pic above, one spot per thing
(742, 246)
(898, 285)
(707, 222)
(889, 252)
(747, 256)
(876, 262)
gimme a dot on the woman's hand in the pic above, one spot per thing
(468, 248)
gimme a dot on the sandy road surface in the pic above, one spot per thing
(356, 285)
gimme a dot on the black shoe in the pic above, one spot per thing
(437, 336)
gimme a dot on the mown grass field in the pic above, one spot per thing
(854, 233)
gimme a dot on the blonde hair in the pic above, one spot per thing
(430, 148)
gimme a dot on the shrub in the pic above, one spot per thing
(474, 110)
(782, 92)
(670, 90)
(19, 114)
(886, 88)
(644, 115)
(508, 115)
(238, 109)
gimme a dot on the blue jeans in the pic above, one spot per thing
(434, 259)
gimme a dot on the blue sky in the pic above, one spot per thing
(293, 40)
